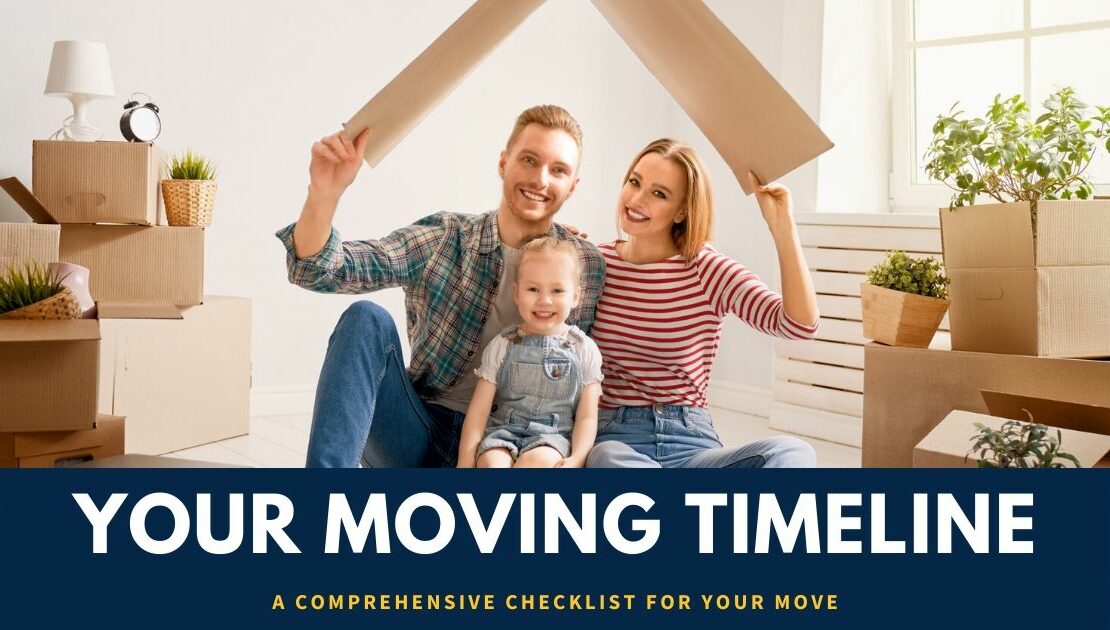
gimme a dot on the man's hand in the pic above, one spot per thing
(335, 163)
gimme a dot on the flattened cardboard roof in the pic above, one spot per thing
(750, 119)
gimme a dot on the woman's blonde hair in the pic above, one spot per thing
(696, 228)
(554, 245)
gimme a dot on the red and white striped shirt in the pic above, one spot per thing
(659, 324)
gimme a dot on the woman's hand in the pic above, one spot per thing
(335, 162)
(774, 202)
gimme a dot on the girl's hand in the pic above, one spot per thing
(571, 462)
(464, 463)
(774, 202)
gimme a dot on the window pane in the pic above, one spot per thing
(1054, 12)
(1077, 60)
(947, 74)
(939, 19)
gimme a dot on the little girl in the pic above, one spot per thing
(535, 405)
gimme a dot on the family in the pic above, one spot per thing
(531, 347)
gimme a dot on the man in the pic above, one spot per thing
(457, 272)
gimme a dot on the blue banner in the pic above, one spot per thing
(425, 548)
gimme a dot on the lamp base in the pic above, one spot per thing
(75, 127)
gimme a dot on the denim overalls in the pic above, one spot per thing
(538, 387)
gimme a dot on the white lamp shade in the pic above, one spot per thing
(79, 68)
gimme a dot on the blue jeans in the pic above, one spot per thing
(366, 408)
(670, 436)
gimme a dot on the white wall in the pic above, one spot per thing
(254, 88)
(855, 85)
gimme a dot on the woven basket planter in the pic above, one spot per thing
(59, 306)
(900, 319)
(189, 201)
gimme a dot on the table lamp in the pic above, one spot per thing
(79, 71)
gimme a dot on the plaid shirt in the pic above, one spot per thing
(449, 265)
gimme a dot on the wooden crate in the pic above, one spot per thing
(818, 385)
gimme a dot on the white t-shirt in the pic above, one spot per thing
(589, 357)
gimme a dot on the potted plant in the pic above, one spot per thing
(904, 300)
(1009, 157)
(32, 292)
(1019, 444)
(190, 193)
(1025, 268)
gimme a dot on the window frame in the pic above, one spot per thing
(905, 195)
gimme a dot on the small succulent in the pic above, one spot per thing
(25, 286)
(920, 276)
(189, 165)
(1019, 445)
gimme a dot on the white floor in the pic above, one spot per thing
(281, 442)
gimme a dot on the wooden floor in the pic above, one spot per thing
(281, 442)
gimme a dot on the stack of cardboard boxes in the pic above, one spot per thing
(1030, 321)
(174, 362)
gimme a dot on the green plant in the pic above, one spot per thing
(28, 285)
(1019, 445)
(920, 276)
(189, 165)
(1008, 157)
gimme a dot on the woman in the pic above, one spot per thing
(659, 317)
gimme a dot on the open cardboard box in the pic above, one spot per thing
(1015, 292)
(49, 369)
(127, 264)
(948, 443)
(907, 392)
(48, 374)
(50, 449)
(99, 182)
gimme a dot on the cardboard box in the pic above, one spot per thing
(907, 392)
(48, 374)
(22, 243)
(132, 460)
(127, 264)
(52, 449)
(131, 264)
(181, 383)
(98, 182)
(947, 445)
(1016, 292)
(747, 115)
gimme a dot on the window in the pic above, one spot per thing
(968, 51)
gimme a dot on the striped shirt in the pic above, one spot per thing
(659, 324)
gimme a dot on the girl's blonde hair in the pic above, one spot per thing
(696, 229)
(554, 245)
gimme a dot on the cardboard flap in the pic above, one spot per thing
(117, 310)
(30, 444)
(751, 120)
(425, 82)
(950, 441)
(25, 330)
(19, 193)
(1056, 413)
(1073, 232)
(988, 236)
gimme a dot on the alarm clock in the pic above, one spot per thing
(140, 123)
